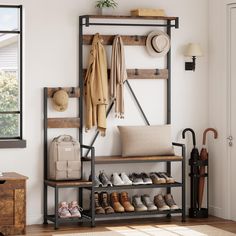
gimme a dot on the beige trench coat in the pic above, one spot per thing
(96, 87)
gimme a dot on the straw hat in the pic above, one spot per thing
(158, 43)
(60, 100)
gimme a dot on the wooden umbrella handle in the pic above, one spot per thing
(205, 132)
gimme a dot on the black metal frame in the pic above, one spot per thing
(85, 21)
(55, 218)
(20, 69)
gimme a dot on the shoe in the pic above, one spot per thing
(97, 182)
(116, 180)
(115, 203)
(98, 208)
(104, 179)
(146, 178)
(157, 179)
(63, 210)
(125, 179)
(138, 205)
(105, 203)
(125, 202)
(160, 203)
(136, 179)
(148, 203)
(169, 178)
(170, 202)
(75, 209)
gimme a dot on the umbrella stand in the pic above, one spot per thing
(194, 175)
(202, 174)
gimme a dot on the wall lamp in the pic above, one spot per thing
(193, 50)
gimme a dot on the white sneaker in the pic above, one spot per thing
(125, 179)
(116, 180)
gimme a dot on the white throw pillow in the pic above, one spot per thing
(152, 140)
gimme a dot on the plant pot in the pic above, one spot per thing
(106, 11)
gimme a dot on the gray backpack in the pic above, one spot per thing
(64, 162)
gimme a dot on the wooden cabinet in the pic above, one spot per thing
(12, 203)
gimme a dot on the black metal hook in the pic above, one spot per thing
(136, 38)
(136, 71)
(157, 72)
(193, 134)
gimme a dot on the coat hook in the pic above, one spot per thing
(157, 72)
(135, 71)
(136, 38)
(72, 92)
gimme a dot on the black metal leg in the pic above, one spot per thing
(56, 224)
(92, 189)
(80, 196)
(168, 169)
(45, 204)
(183, 185)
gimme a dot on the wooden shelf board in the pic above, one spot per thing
(12, 176)
(120, 159)
(73, 92)
(67, 183)
(63, 122)
(143, 73)
(131, 17)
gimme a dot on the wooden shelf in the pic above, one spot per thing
(68, 183)
(120, 159)
(131, 17)
(63, 122)
(73, 92)
(143, 73)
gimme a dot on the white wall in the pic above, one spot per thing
(220, 186)
(51, 59)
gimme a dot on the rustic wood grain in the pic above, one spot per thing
(12, 184)
(78, 183)
(12, 176)
(143, 73)
(19, 208)
(73, 92)
(132, 17)
(63, 122)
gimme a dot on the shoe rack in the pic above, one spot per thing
(132, 40)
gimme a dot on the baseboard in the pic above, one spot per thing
(217, 211)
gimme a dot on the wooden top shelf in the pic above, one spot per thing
(131, 17)
(141, 159)
(68, 183)
(12, 176)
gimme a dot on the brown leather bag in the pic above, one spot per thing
(64, 162)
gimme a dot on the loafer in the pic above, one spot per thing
(168, 177)
(148, 203)
(157, 179)
(116, 180)
(160, 203)
(125, 179)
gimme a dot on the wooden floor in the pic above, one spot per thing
(48, 230)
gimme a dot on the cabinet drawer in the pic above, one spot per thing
(6, 212)
(11, 184)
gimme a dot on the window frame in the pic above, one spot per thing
(18, 141)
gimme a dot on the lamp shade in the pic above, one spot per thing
(193, 49)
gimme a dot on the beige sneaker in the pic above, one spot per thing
(63, 210)
(160, 203)
(75, 209)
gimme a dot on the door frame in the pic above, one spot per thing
(229, 202)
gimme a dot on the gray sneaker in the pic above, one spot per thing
(138, 204)
(148, 203)
(125, 179)
(160, 203)
(97, 182)
(136, 179)
(146, 178)
(170, 202)
(104, 179)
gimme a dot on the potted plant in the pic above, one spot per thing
(106, 7)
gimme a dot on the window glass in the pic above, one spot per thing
(9, 18)
(9, 125)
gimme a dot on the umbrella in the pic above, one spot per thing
(194, 169)
(203, 157)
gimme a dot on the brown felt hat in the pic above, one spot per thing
(60, 100)
(158, 43)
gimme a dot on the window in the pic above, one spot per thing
(11, 130)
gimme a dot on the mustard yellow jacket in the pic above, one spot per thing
(96, 87)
